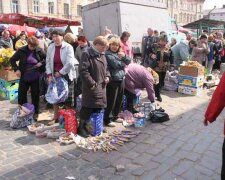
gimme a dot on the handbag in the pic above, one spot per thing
(158, 116)
(57, 91)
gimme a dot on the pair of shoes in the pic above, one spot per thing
(119, 120)
(159, 99)
(82, 132)
(111, 124)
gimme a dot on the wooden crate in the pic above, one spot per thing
(8, 75)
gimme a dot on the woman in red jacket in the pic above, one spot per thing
(214, 109)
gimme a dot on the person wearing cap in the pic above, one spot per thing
(200, 52)
(163, 60)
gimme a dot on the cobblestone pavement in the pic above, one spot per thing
(181, 148)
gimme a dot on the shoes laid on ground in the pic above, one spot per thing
(111, 124)
(82, 132)
(119, 120)
(105, 130)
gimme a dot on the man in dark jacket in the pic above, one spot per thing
(95, 76)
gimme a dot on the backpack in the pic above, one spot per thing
(158, 116)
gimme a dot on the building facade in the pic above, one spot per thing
(185, 11)
(69, 9)
(216, 14)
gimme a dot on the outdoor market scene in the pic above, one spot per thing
(112, 90)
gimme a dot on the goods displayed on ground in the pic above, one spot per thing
(212, 80)
(191, 78)
(192, 68)
(107, 142)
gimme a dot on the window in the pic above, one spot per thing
(180, 18)
(66, 9)
(15, 6)
(79, 10)
(175, 17)
(200, 8)
(51, 7)
(36, 6)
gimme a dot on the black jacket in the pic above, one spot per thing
(22, 54)
(116, 65)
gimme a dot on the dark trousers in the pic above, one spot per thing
(22, 93)
(114, 92)
(77, 89)
(130, 100)
(159, 86)
(85, 113)
(223, 162)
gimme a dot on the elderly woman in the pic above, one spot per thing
(95, 77)
(138, 77)
(31, 59)
(117, 60)
(60, 62)
(72, 40)
(21, 42)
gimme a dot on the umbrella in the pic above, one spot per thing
(29, 30)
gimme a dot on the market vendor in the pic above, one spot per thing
(31, 60)
(6, 41)
(95, 76)
(138, 77)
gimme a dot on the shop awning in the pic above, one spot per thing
(204, 23)
(36, 21)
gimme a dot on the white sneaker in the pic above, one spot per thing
(111, 124)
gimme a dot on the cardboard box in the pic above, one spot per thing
(189, 90)
(191, 81)
(8, 75)
(191, 71)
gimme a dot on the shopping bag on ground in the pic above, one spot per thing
(23, 116)
(57, 91)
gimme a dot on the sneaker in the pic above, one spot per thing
(119, 120)
(111, 124)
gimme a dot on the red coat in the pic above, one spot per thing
(217, 103)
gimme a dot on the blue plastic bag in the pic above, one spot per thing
(57, 91)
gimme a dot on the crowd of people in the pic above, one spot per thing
(104, 71)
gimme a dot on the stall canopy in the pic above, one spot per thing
(36, 21)
(205, 23)
(29, 30)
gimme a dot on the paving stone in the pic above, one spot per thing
(138, 172)
(102, 163)
(42, 170)
(15, 172)
(203, 170)
(182, 167)
(142, 159)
